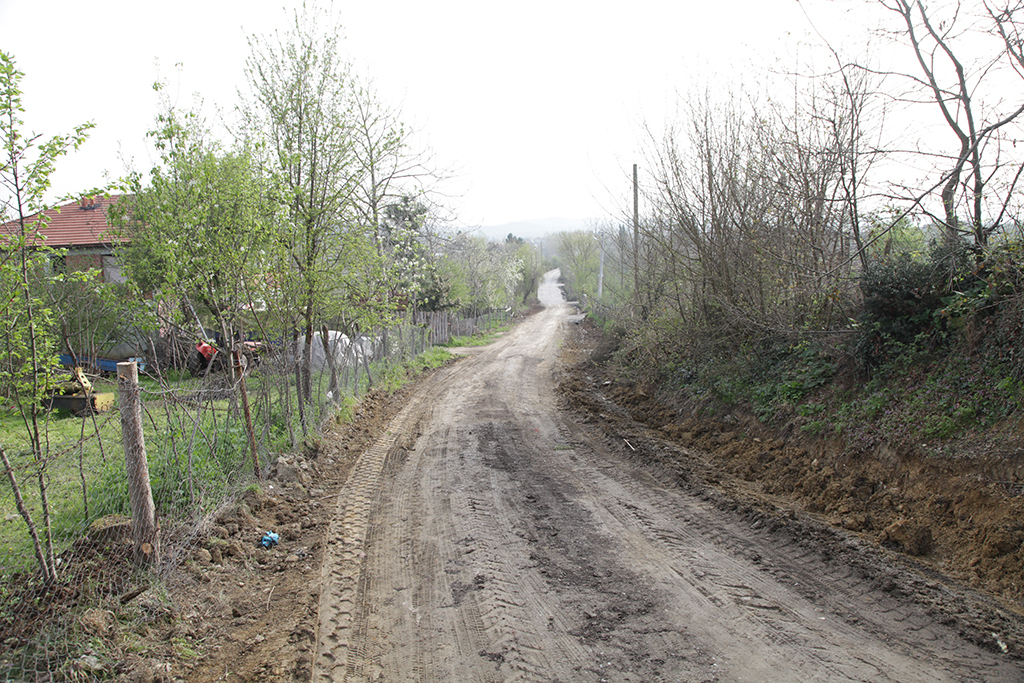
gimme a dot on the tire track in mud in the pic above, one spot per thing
(344, 547)
(601, 608)
(819, 611)
(850, 582)
(513, 598)
(772, 625)
(488, 602)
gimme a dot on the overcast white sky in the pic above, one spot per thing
(537, 105)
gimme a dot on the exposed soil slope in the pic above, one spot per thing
(962, 515)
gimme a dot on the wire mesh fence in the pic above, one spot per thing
(73, 562)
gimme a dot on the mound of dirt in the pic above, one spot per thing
(960, 515)
(248, 612)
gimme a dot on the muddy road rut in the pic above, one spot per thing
(490, 537)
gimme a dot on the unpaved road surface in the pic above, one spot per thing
(489, 537)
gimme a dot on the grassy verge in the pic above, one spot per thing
(482, 338)
(197, 450)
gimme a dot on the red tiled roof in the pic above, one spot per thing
(79, 224)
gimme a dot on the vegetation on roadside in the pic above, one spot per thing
(312, 235)
(924, 361)
(781, 266)
(394, 378)
(482, 337)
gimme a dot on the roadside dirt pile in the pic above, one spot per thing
(238, 611)
(962, 516)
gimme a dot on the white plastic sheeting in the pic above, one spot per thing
(344, 350)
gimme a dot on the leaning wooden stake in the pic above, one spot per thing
(49, 572)
(145, 533)
(240, 367)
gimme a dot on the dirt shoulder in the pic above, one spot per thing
(232, 610)
(955, 519)
(236, 611)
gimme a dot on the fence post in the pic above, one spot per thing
(145, 533)
(240, 366)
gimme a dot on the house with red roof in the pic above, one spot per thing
(86, 239)
(81, 229)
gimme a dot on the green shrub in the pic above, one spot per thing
(905, 300)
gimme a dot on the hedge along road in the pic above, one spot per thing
(489, 537)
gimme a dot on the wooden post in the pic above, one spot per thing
(240, 366)
(145, 532)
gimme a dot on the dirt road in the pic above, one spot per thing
(489, 537)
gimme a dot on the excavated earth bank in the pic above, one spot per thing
(960, 514)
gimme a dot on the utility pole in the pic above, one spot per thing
(636, 238)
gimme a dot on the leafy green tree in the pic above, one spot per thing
(302, 115)
(532, 268)
(27, 326)
(510, 262)
(482, 276)
(405, 239)
(472, 269)
(581, 253)
(197, 230)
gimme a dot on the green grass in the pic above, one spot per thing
(924, 396)
(190, 465)
(482, 338)
(474, 340)
(942, 399)
(195, 456)
(67, 459)
(397, 375)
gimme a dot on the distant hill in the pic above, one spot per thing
(536, 227)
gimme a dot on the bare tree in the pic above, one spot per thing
(392, 170)
(752, 226)
(955, 80)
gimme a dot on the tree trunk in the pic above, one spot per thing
(238, 365)
(48, 572)
(332, 386)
